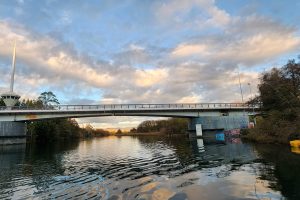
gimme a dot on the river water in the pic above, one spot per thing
(149, 168)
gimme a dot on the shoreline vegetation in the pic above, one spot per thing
(279, 97)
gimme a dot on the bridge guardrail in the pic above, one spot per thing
(185, 106)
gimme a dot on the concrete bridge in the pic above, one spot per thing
(17, 114)
(209, 116)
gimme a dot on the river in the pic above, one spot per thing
(149, 168)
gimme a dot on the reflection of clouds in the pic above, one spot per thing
(239, 184)
(102, 148)
(149, 167)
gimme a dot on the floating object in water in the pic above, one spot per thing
(295, 143)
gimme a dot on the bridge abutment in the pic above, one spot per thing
(12, 132)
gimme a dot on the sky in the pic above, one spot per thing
(144, 51)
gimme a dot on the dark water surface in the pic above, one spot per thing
(148, 168)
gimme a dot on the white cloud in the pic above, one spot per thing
(46, 59)
(180, 13)
(242, 44)
(193, 98)
(190, 49)
(151, 77)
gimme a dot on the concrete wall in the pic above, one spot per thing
(12, 129)
(219, 122)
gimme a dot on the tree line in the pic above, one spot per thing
(279, 95)
(170, 126)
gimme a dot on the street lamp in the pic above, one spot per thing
(251, 96)
(241, 90)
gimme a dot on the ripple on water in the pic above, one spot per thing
(121, 168)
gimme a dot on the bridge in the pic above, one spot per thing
(202, 116)
(191, 110)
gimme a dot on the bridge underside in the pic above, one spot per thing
(219, 122)
(25, 115)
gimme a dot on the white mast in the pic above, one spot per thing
(13, 70)
(10, 98)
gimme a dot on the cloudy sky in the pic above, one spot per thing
(144, 51)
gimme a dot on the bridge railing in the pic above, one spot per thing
(104, 107)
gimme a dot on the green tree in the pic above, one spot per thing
(48, 98)
(31, 103)
(279, 91)
(170, 126)
(176, 126)
(280, 88)
(2, 102)
(52, 129)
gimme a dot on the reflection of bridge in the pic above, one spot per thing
(157, 110)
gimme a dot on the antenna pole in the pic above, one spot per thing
(13, 69)
(241, 90)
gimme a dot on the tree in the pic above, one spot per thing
(31, 103)
(53, 129)
(48, 98)
(279, 91)
(170, 126)
(133, 130)
(176, 126)
(280, 88)
(2, 102)
(119, 131)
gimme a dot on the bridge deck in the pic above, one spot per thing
(193, 106)
(23, 113)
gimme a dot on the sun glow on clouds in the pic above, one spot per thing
(64, 64)
(150, 77)
(194, 98)
(190, 49)
(248, 51)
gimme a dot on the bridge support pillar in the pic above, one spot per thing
(209, 123)
(12, 132)
(198, 130)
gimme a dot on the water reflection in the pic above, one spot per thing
(281, 168)
(149, 168)
(27, 168)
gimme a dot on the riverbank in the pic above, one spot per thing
(256, 136)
